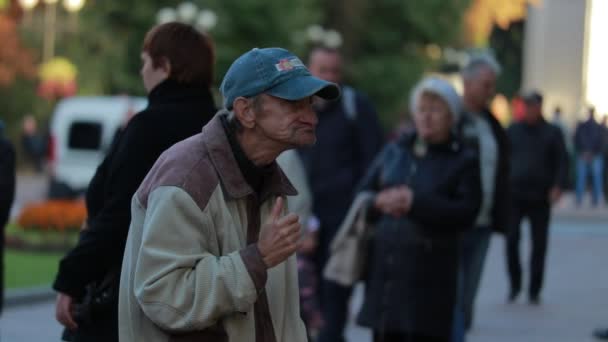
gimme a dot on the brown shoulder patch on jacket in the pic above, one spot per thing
(185, 165)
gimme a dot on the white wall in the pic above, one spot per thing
(554, 47)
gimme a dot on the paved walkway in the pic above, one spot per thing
(575, 299)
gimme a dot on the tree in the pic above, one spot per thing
(386, 40)
(483, 15)
(15, 59)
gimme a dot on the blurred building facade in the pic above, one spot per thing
(564, 56)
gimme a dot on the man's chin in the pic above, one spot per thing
(305, 141)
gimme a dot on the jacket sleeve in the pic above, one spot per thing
(501, 205)
(560, 157)
(179, 283)
(440, 210)
(7, 180)
(101, 245)
(577, 138)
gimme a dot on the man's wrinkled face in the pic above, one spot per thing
(290, 123)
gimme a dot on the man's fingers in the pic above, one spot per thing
(277, 208)
(288, 219)
(290, 233)
(71, 324)
(63, 311)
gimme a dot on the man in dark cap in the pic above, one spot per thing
(211, 248)
(537, 175)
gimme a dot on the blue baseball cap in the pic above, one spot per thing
(276, 72)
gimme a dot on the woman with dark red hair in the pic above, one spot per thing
(177, 73)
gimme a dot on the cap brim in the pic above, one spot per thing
(305, 86)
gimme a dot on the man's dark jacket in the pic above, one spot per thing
(500, 208)
(346, 145)
(538, 161)
(174, 113)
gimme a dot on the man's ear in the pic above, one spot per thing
(243, 109)
(165, 65)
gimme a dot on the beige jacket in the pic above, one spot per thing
(191, 269)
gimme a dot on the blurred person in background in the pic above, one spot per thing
(348, 138)
(481, 131)
(34, 142)
(558, 120)
(537, 177)
(7, 195)
(427, 192)
(604, 124)
(589, 146)
(177, 72)
(301, 204)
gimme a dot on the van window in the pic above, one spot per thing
(85, 135)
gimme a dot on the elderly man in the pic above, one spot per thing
(210, 253)
(482, 131)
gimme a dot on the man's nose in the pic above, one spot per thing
(310, 116)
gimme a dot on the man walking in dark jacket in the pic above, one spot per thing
(482, 131)
(589, 144)
(177, 73)
(538, 173)
(7, 194)
(348, 138)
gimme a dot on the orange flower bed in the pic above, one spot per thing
(54, 215)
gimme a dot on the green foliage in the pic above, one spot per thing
(384, 42)
(387, 58)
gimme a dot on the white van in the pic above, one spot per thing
(81, 132)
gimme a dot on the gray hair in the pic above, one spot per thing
(471, 70)
(443, 89)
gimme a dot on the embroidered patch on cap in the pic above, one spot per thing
(286, 64)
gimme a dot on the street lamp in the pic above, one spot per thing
(28, 6)
(187, 12)
(50, 19)
(73, 6)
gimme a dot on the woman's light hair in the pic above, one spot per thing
(440, 87)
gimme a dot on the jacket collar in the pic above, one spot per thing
(171, 91)
(216, 140)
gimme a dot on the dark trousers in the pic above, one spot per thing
(334, 309)
(474, 248)
(538, 214)
(406, 337)
(334, 298)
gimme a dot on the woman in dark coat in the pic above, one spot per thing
(427, 192)
(177, 72)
